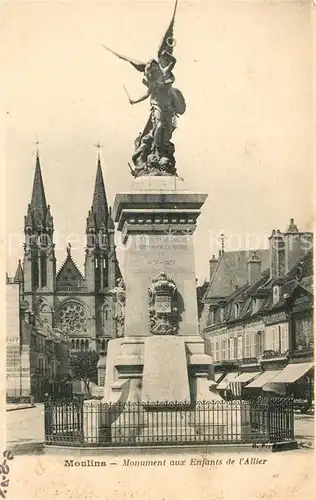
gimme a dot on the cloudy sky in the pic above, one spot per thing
(244, 69)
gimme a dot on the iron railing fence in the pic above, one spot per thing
(94, 423)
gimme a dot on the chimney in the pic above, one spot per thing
(292, 227)
(213, 263)
(254, 269)
(277, 254)
(296, 244)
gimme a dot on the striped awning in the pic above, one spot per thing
(291, 373)
(262, 379)
(229, 377)
(217, 376)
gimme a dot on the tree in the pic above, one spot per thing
(83, 366)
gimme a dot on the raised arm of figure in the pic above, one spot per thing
(143, 98)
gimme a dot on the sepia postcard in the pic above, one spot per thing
(157, 252)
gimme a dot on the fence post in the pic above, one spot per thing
(80, 410)
(47, 419)
(291, 418)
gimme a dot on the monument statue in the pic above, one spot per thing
(119, 294)
(154, 151)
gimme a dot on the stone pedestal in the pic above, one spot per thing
(157, 219)
(165, 372)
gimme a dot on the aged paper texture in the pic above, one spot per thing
(145, 281)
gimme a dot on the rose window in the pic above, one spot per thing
(73, 318)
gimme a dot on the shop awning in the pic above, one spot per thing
(217, 376)
(245, 377)
(229, 377)
(291, 373)
(279, 389)
(262, 379)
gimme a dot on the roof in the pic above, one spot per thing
(200, 292)
(201, 289)
(232, 271)
(69, 274)
(302, 268)
(38, 201)
(300, 275)
(18, 277)
(307, 284)
(294, 288)
(99, 204)
(110, 220)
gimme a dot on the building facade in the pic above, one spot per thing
(79, 304)
(66, 305)
(257, 316)
(37, 356)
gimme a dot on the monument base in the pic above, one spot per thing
(165, 373)
(158, 369)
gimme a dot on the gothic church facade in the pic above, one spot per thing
(78, 304)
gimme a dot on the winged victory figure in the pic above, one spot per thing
(154, 151)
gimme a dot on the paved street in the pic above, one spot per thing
(26, 427)
(304, 429)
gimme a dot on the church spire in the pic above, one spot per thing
(99, 205)
(18, 277)
(38, 201)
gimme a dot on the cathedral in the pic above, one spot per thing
(79, 305)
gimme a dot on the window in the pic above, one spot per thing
(235, 347)
(231, 348)
(104, 273)
(105, 315)
(275, 339)
(43, 270)
(222, 314)
(217, 350)
(258, 344)
(73, 318)
(272, 339)
(276, 294)
(284, 338)
(239, 348)
(236, 311)
(248, 345)
(256, 304)
(43, 240)
(299, 273)
(212, 316)
(35, 275)
(224, 349)
(103, 240)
